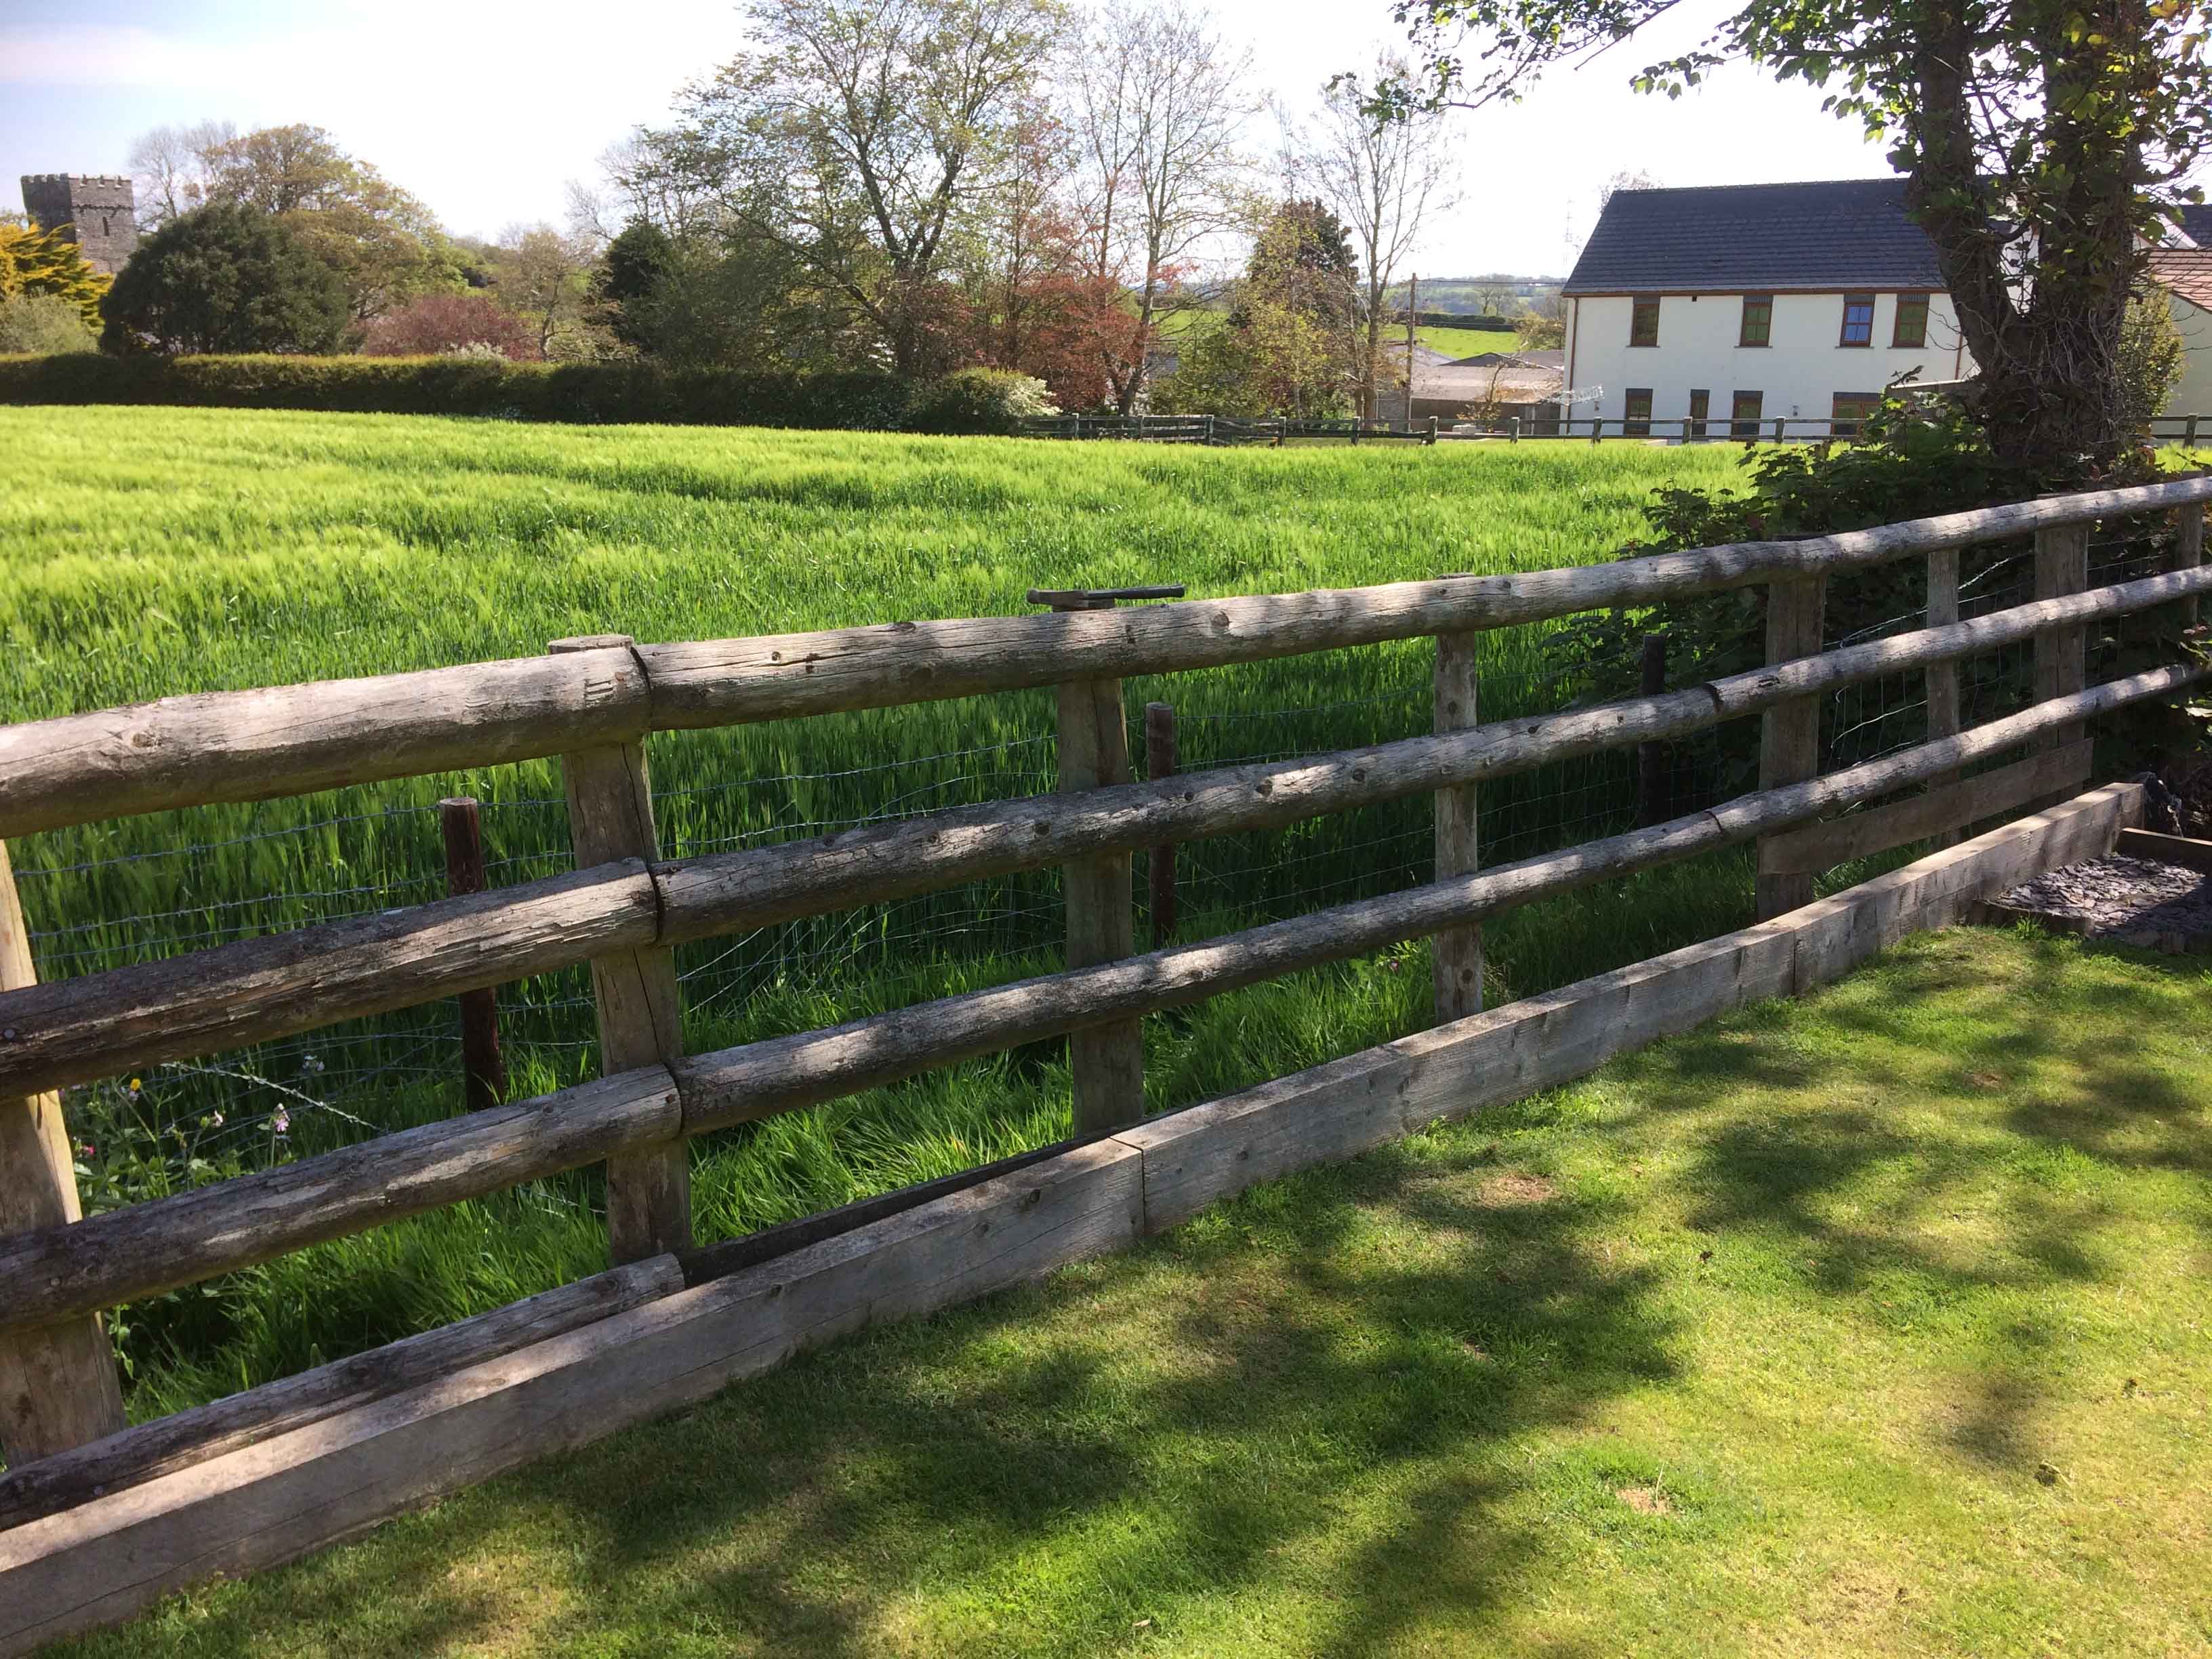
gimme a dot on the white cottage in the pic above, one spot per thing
(1725, 308)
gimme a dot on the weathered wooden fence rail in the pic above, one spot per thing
(593, 701)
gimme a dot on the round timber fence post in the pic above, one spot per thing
(641, 1020)
(59, 1388)
(1790, 733)
(1456, 952)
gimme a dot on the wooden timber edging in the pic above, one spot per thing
(288, 740)
(307, 1484)
(254, 990)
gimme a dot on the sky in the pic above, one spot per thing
(486, 110)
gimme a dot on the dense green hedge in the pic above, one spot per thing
(525, 391)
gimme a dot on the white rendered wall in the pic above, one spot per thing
(1799, 372)
(2192, 392)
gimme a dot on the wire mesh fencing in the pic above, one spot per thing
(130, 891)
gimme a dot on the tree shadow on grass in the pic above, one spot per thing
(1040, 1472)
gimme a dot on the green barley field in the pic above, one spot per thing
(150, 552)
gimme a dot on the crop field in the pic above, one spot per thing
(146, 553)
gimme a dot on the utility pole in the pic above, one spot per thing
(1413, 318)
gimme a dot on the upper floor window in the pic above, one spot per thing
(1644, 323)
(1858, 320)
(1757, 319)
(1911, 325)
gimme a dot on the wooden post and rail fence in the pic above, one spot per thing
(594, 702)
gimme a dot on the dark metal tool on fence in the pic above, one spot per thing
(1100, 599)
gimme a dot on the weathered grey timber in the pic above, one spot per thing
(251, 745)
(138, 1454)
(1455, 954)
(633, 996)
(81, 1029)
(163, 1242)
(58, 1386)
(290, 1494)
(291, 739)
(286, 1495)
(1945, 809)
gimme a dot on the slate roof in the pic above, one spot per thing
(1828, 235)
(2197, 223)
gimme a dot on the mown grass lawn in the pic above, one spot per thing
(1880, 1322)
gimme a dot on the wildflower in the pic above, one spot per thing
(137, 1083)
(310, 1066)
(215, 1118)
(281, 1122)
(85, 1149)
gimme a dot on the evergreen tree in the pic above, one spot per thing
(226, 278)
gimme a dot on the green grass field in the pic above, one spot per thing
(150, 552)
(1875, 1323)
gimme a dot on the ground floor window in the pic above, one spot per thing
(1850, 409)
(1701, 402)
(1638, 411)
(1743, 415)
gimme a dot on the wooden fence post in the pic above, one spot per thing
(641, 1018)
(2188, 553)
(1457, 951)
(2062, 567)
(482, 1067)
(1160, 760)
(1943, 678)
(58, 1387)
(1107, 1062)
(1790, 733)
(1652, 757)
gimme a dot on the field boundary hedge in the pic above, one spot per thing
(587, 393)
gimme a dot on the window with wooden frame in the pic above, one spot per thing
(1644, 323)
(1758, 320)
(1858, 320)
(1743, 414)
(1848, 410)
(1701, 402)
(1910, 328)
(1637, 409)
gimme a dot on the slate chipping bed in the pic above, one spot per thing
(2127, 900)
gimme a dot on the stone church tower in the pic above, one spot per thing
(102, 213)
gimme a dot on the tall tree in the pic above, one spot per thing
(384, 244)
(49, 262)
(172, 167)
(2043, 142)
(1160, 104)
(863, 136)
(225, 278)
(1385, 180)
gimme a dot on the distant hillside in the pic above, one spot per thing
(1465, 295)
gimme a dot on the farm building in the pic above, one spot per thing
(1502, 385)
(1732, 305)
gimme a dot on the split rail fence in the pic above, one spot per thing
(595, 701)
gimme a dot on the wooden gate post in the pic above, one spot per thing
(483, 1070)
(1943, 678)
(2188, 553)
(641, 1018)
(58, 1387)
(1456, 952)
(1790, 733)
(2061, 567)
(1106, 1062)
